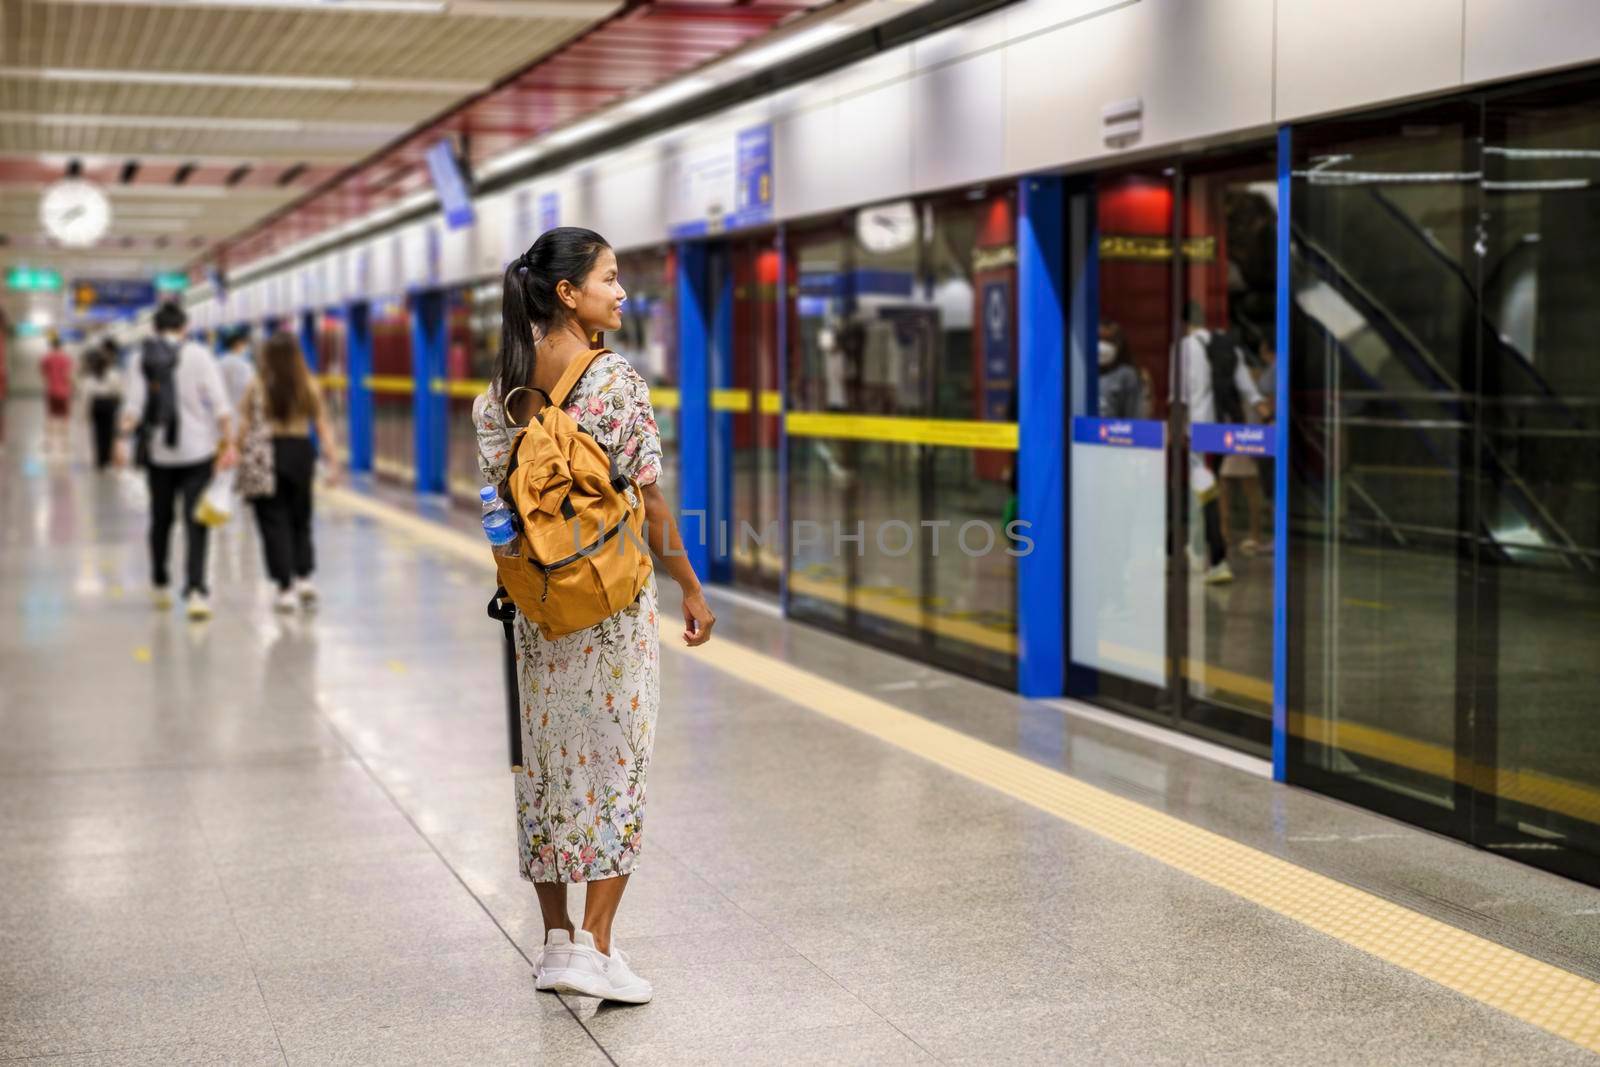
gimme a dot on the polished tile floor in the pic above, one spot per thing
(267, 839)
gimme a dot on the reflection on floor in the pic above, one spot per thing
(289, 839)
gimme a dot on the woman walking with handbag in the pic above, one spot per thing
(278, 462)
(590, 698)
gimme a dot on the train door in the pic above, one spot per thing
(472, 340)
(1173, 444)
(333, 375)
(648, 339)
(392, 384)
(747, 543)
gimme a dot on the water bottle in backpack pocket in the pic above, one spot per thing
(500, 524)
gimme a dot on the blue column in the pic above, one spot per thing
(308, 338)
(358, 364)
(1280, 477)
(694, 407)
(428, 409)
(1042, 451)
(783, 406)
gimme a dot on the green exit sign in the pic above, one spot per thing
(172, 282)
(28, 280)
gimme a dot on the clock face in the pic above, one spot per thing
(887, 227)
(76, 213)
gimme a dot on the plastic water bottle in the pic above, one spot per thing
(498, 524)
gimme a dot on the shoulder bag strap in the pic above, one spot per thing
(571, 376)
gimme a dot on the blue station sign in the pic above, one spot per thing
(1233, 439)
(1119, 433)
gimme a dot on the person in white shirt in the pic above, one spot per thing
(177, 406)
(1198, 392)
(238, 370)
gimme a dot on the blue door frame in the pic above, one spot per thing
(1042, 285)
(694, 406)
(429, 408)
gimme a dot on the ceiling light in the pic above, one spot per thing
(416, 7)
(443, 87)
(186, 122)
(511, 160)
(664, 97)
(580, 132)
(768, 54)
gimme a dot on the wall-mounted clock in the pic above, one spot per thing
(887, 227)
(75, 212)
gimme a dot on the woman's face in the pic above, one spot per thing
(598, 305)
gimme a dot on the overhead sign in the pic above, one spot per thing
(753, 204)
(450, 182)
(101, 299)
(723, 185)
(172, 281)
(29, 280)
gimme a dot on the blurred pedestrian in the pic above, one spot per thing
(283, 400)
(236, 367)
(1121, 391)
(56, 368)
(101, 385)
(178, 411)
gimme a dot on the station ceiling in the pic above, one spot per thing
(233, 126)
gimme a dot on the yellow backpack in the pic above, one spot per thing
(582, 555)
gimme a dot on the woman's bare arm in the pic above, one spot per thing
(661, 531)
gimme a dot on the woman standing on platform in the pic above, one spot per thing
(101, 384)
(589, 699)
(285, 398)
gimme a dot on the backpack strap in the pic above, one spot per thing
(571, 376)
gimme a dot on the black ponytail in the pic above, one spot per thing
(530, 307)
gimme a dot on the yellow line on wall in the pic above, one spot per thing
(892, 429)
(1565, 1004)
(396, 384)
(458, 388)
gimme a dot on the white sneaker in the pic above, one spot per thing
(588, 972)
(306, 592)
(581, 969)
(161, 597)
(556, 957)
(283, 603)
(626, 987)
(1221, 574)
(198, 605)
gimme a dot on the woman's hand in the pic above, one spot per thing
(697, 619)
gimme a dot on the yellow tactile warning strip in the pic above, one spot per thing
(1538, 993)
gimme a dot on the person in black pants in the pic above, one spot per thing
(102, 386)
(285, 397)
(167, 485)
(177, 409)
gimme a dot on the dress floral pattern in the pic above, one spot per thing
(589, 699)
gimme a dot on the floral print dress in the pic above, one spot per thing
(589, 699)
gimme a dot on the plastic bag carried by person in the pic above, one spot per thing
(216, 506)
